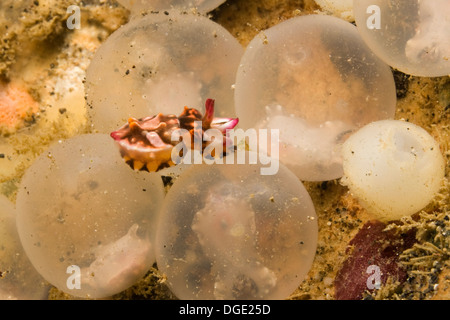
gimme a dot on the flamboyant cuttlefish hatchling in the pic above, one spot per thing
(146, 144)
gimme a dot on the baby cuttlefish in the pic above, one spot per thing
(147, 143)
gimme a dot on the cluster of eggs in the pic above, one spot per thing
(221, 231)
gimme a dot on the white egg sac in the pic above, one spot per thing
(86, 219)
(138, 6)
(228, 232)
(393, 167)
(411, 36)
(161, 63)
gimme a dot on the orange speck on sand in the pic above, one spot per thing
(16, 104)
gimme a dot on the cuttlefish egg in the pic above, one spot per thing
(86, 220)
(394, 168)
(228, 232)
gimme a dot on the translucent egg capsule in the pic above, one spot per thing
(159, 64)
(313, 79)
(228, 232)
(393, 167)
(411, 36)
(138, 6)
(86, 220)
(339, 8)
(18, 278)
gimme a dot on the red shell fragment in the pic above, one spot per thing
(146, 144)
(372, 248)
